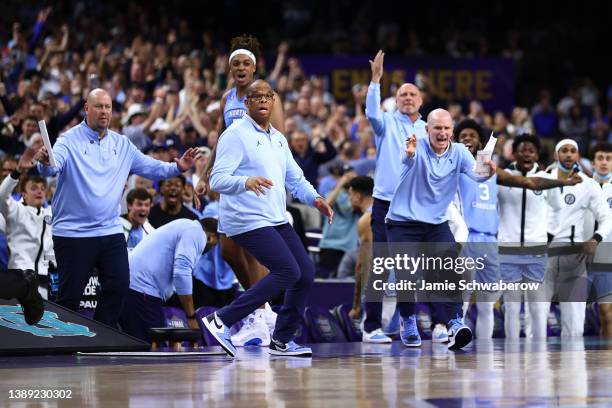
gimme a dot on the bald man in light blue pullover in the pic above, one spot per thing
(92, 166)
(431, 170)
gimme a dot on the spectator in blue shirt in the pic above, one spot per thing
(341, 236)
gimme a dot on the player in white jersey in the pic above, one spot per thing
(478, 205)
(522, 237)
(600, 265)
(566, 271)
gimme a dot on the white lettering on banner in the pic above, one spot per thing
(90, 294)
(88, 304)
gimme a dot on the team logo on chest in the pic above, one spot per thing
(610, 202)
(570, 199)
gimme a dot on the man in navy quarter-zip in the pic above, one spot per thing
(92, 165)
(254, 165)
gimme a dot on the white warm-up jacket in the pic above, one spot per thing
(28, 231)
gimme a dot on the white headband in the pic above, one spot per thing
(242, 51)
(565, 142)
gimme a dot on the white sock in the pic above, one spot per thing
(512, 322)
(484, 321)
(466, 306)
(572, 318)
(538, 312)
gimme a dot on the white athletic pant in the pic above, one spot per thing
(566, 277)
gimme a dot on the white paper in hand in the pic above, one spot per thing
(45, 136)
(483, 155)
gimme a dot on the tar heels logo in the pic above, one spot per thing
(537, 192)
(570, 199)
(610, 202)
(258, 143)
(49, 325)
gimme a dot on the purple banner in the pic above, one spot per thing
(489, 80)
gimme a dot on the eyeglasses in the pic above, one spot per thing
(262, 97)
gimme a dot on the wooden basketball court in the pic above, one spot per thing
(557, 372)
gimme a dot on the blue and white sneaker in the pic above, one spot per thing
(375, 336)
(220, 332)
(439, 334)
(292, 349)
(409, 333)
(254, 331)
(393, 327)
(459, 335)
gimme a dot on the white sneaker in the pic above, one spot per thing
(439, 334)
(254, 331)
(270, 317)
(376, 336)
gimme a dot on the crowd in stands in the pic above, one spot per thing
(166, 78)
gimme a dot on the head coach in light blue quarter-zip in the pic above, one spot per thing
(254, 166)
(92, 164)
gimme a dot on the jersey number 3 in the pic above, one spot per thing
(484, 192)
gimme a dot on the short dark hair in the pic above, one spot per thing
(180, 176)
(525, 138)
(138, 194)
(600, 147)
(251, 89)
(32, 179)
(209, 225)
(362, 184)
(349, 147)
(247, 42)
(469, 124)
(30, 117)
(7, 159)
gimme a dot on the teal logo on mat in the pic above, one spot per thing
(49, 326)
